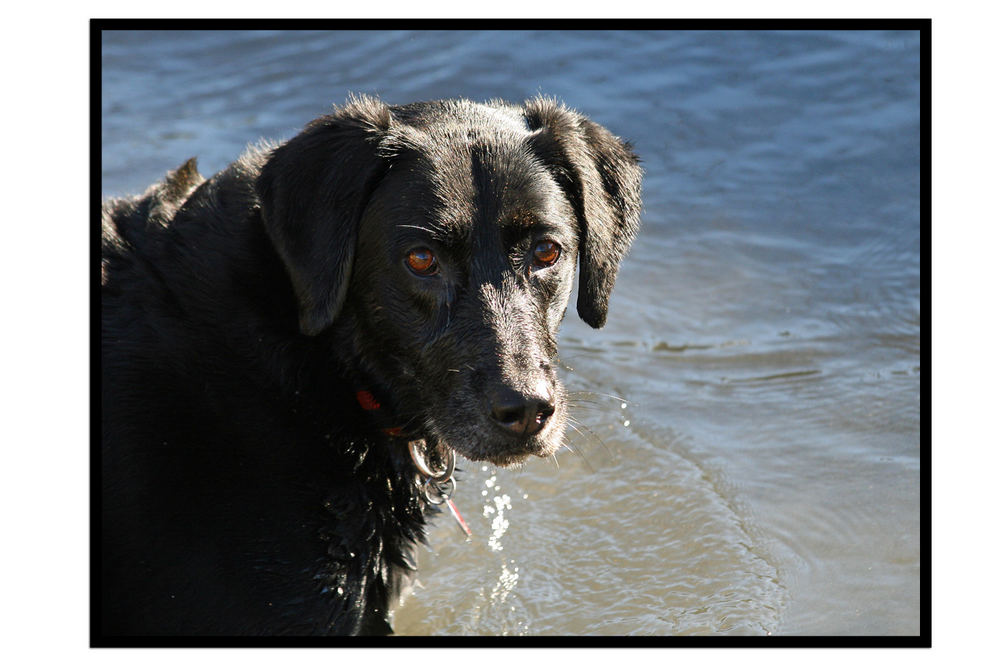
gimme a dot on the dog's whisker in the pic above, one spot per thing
(577, 400)
(579, 452)
(579, 394)
(574, 423)
(433, 230)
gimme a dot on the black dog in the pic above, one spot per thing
(276, 335)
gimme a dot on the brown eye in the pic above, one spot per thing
(546, 253)
(422, 262)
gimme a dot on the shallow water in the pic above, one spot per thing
(746, 451)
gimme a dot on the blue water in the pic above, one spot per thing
(747, 458)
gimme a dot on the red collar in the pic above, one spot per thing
(370, 404)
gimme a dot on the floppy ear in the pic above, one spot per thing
(602, 179)
(313, 190)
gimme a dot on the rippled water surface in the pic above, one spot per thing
(745, 454)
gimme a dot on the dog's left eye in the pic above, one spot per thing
(422, 262)
(545, 254)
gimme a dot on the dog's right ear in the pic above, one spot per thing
(602, 179)
(313, 190)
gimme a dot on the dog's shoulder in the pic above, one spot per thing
(130, 225)
(177, 261)
(125, 219)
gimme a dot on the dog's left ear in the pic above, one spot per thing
(602, 179)
(313, 190)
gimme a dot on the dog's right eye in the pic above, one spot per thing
(422, 262)
(545, 254)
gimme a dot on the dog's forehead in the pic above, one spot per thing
(464, 176)
(446, 116)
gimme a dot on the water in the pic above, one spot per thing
(746, 454)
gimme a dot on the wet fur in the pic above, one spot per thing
(243, 491)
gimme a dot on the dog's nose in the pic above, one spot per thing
(521, 414)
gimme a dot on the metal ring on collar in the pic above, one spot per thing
(438, 492)
(417, 454)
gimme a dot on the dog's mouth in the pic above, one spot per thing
(496, 424)
(478, 440)
(502, 437)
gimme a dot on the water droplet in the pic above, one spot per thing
(624, 405)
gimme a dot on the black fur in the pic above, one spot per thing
(244, 490)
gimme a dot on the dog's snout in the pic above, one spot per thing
(521, 414)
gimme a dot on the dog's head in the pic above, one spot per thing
(438, 242)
